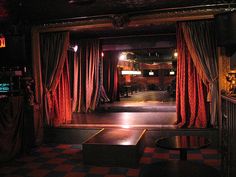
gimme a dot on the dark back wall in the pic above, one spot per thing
(18, 46)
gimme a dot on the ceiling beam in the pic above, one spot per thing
(160, 20)
(133, 19)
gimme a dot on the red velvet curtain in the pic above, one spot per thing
(201, 42)
(55, 77)
(191, 93)
(74, 69)
(110, 75)
(88, 75)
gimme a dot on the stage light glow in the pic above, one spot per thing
(125, 126)
(175, 54)
(75, 48)
(172, 73)
(102, 54)
(124, 72)
(123, 57)
(151, 73)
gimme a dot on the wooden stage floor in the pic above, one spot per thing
(139, 111)
(125, 120)
(157, 117)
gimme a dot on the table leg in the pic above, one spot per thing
(183, 154)
(126, 92)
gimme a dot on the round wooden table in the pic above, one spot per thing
(183, 144)
(180, 168)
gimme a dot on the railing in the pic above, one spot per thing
(228, 135)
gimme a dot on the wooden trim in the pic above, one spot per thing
(135, 21)
(92, 136)
(155, 20)
(229, 98)
(75, 26)
(141, 136)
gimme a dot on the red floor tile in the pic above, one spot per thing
(174, 151)
(68, 164)
(149, 150)
(161, 155)
(209, 151)
(133, 172)
(212, 162)
(145, 160)
(64, 167)
(63, 146)
(71, 151)
(56, 161)
(99, 170)
(194, 157)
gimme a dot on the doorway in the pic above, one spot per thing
(146, 80)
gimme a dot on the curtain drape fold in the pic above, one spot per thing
(55, 77)
(74, 69)
(88, 75)
(190, 90)
(110, 75)
(103, 98)
(201, 43)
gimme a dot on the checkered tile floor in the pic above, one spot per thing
(66, 161)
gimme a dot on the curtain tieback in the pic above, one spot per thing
(209, 94)
(49, 98)
(214, 79)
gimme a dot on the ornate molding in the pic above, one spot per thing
(120, 21)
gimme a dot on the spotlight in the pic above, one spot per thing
(172, 73)
(151, 73)
(75, 48)
(126, 72)
(175, 54)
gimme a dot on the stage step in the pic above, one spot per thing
(114, 147)
(159, 108)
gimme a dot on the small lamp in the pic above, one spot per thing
(175, 54)
(231, 78)
(233, 86)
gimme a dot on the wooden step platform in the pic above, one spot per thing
(114, 147)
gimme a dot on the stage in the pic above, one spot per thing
(147, 109)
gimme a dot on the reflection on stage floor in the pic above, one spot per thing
(149, 109)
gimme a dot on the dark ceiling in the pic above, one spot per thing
(60, 11)
(50, 10)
